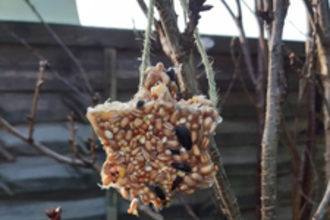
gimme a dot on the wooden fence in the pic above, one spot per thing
(33, 182)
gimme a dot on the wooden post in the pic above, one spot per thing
(110, 91)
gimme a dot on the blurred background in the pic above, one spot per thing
(94, 46)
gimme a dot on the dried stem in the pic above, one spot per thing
(43, 65)
(72, 140)
(321, 210)
(147, 43)
(273, 114)
(64, 47)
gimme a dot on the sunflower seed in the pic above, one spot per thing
(139, 103)
(159, 191)
(184, 137)
(174, 150)
(181, 166)
(176, 182)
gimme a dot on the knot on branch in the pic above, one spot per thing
(265, 16)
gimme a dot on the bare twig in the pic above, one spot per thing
(307, 174)
(188, 208)
(66, 160)
(43, 65)
(242, 38)
(270, 135)
(237, 63)
(46, 151)
(72, 140)
(321, 210)
(41, 57)
(5, 153)
(92, 140)
(64, 47)
(54, 214)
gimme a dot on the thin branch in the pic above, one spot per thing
(273, 114)
(46, 151)
(66, 160)
(240, 77)
(237, 63)
(230, 86)
(43, 65)
(64, 47)
(321, 210)
(188, 208)
(242, 38)
(41, 57)
(92, 140)
(4, 152)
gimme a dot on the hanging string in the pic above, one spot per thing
(147, 43)
(207, 64)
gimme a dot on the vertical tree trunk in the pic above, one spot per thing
(270, 135)
(323, 15)
(307, 175)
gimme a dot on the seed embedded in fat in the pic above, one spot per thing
(182, 120)
(142, 139)
(138, 122)
(108, 134)
(124, 122)
(164, 139)
(208, 122)
(207, 169)
(158, 124)
(139, 150)
(162, 112)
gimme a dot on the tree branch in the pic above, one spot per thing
(41, 57)
(242, 38)
(43, 65)
(64, 47)
(321, 210)
(180, 48)
(273, 114)
(44, 150)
